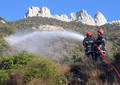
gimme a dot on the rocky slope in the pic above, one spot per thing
(35, 11)
(2, 20)
(48, 27)
(115, 22)
(81, 16)
(100, 19)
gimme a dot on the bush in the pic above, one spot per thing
(12, 62)
(22, 59)
(6, 63)
(43, 69)
(28, 68)
(3, 77)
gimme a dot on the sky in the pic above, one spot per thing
(12, 10)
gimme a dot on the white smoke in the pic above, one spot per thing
(42, 42)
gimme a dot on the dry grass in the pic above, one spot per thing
(64, 68)
(95, 80)
(37, 82)
(94, 77)
(16, 79)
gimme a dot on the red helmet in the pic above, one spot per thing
(89, 33)
(100, 31)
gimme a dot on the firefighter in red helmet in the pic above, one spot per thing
(100, 32)
(100, 42)
(88, 43)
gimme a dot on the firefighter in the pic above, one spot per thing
(88, 43)
(100, 43)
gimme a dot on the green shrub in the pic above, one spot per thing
(12, 62)
(29, 67)
(3, 76)
(22, 58)
(42, 68)
(6, 63)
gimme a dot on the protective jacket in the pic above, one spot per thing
(88, 43)
(100, 42)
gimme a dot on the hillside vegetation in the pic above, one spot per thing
(31, 69)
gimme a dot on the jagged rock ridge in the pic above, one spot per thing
(2, 20)
(100, 19)
(44, 12)
(35, 11)
(115, 22)
(81, 16)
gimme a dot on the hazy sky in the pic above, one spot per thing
(15, 9)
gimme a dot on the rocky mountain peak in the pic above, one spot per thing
(81, 16)
(33, 11)
(36, 11)
(83, 12)
(100, 19)
(44, 12)
(77, 15)
(2, 20)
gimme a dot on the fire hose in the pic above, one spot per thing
(115, 69)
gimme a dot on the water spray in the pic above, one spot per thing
(41, 42)
(17, 38)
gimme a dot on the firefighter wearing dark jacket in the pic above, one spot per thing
(100, 42)
(88, 43)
